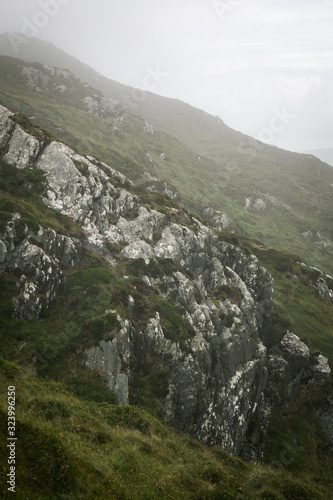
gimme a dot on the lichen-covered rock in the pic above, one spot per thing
(321, 370)
(259, 205)
(220, 220)
(113, 357)
(216, 373)
(59, 246)
(6, 126)
(36, 79)
(277, 366)
(23, 149)
(3, 252)
(104, 107)
(324, 290)
(295, 350)
(42, 279)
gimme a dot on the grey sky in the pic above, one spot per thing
(248, 61)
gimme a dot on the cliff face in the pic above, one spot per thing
(214, 375)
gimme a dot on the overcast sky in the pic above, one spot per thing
(264, 66)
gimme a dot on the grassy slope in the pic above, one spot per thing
(130, 453)
(232, 166)
(68, 448)
(297, 304)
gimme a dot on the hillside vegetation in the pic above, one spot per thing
(74, 440)
(204, 161)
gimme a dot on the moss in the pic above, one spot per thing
(9, 370)
(89, 386)
(92, 277)
(174, 326)
(157, 267)
(228, 237)
(22, 120)
(231, 293)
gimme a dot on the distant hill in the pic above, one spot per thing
(281, 198)
(325, 155)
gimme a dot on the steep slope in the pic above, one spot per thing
(325, 155)
(281, 198)
(202, 319)
(72, 449)
(163, 311)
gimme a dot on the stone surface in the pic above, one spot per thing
(321, 370)
(295, 350)
(324, 290)
(217, 375)
(42, 279)
(23, 149)
(111, 357)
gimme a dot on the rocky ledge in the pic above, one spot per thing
(216, 377)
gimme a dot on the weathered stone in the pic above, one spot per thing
(6, 126)
(36, 79)
(113, 357)
(277, 366)
(324, 291)
(23, 149)
(217, 374)
(321, 370)
(295, 350)
(3, 252)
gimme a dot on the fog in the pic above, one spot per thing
(264, 66)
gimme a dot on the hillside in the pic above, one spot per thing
(158, 348)
(111, 294)
(281, 198)
(325, 155)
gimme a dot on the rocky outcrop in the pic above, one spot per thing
(324, 290)
(217, 374)
(43, 79)
(114, 358)
(260, 205)
(219, 220)
(36, 258)
(104, 107)
(291, 360)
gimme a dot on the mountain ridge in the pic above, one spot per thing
(149, 284)
(236, 175)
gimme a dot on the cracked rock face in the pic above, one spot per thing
(217, 376)
(295, 349)
(42, 279)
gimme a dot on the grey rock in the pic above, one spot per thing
(23, 149)
(324, 291)
(295, 350)
(321, 370)
(277, 366)
(216, 375)
(36, 79)
(42, 279)
(148, 129)
(113, 358)
(104, 107)
(6, 126)
(259, 205)
(3, 252)
(220, 220)
(59, 246)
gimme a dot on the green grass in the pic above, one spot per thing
(70, 448)
(182, 134)
(94, 448)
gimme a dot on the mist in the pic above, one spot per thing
(264, 67)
